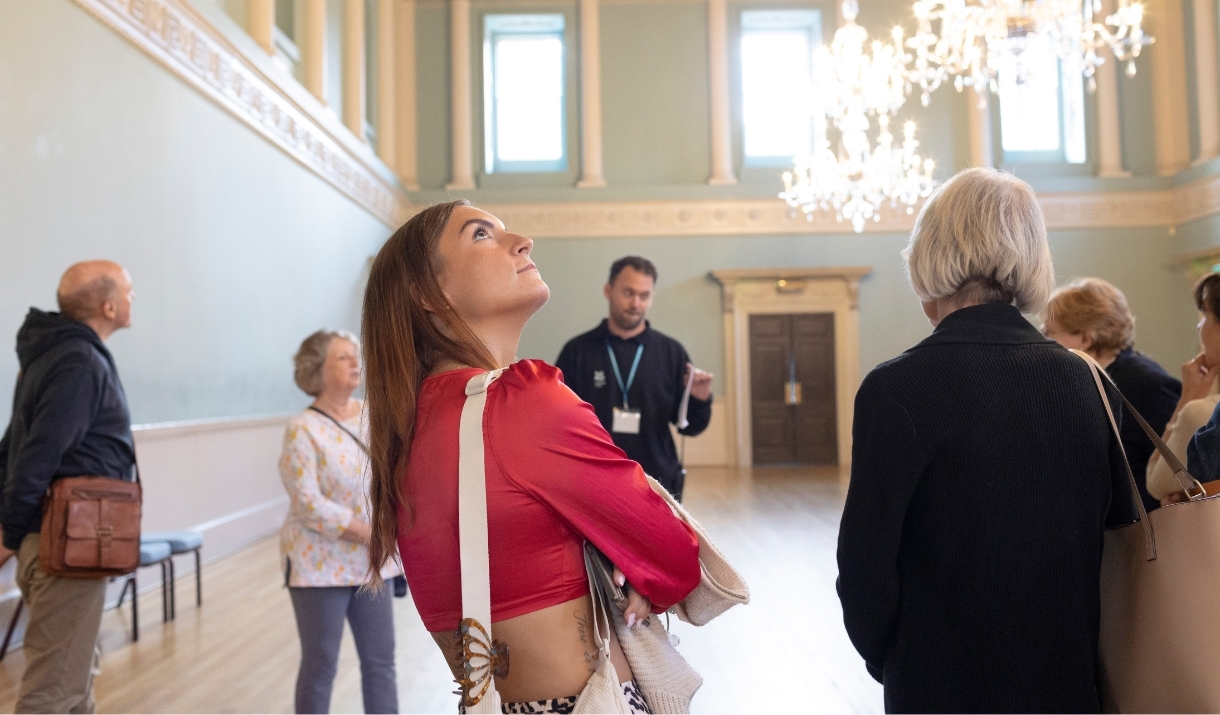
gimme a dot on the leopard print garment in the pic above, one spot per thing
(635, 700)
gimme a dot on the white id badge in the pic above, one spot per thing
(626, 421)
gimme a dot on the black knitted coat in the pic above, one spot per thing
(983, 476)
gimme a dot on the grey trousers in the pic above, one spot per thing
(320, 612)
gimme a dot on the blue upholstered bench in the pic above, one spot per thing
(151, 552)
(180, 542)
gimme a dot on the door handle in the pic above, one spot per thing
(792, 388)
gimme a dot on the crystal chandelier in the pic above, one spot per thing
(858, 179)
(967, 39)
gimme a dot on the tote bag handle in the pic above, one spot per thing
(482, 656)
(1187, 482)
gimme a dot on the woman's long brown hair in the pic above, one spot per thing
(402, 344)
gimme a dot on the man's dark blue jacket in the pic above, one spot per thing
(69, 419)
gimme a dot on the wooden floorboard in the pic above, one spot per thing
(786, 651)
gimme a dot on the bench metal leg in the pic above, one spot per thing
(198, 580)
(12, 626)
(135, 610)
(173, 599)
(164, 594)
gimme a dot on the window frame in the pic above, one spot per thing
(814, 23)
(1034, 164)
(547, 171)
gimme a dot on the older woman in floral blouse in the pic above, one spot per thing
(325, 536)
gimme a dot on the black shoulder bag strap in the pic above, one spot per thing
(340, 426)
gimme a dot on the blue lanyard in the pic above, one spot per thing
(619, 376)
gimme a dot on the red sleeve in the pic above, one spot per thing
(550, 443)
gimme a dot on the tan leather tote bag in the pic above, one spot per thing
(1159, 582)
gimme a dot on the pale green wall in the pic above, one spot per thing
(687, 305)
(655, 93)
(237, 252)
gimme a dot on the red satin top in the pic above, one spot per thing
(554, 480)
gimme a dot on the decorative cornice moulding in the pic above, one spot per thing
(755, 217)
(174, 34)
(724, 217)
(1118, 209)
(1197, 199)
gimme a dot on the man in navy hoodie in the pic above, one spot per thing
(69, 419)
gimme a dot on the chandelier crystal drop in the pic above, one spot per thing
(967, 40)
(849, 81)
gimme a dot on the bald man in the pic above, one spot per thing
(69, 419)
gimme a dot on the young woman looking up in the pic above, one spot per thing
(448, 297)
(1195, 409)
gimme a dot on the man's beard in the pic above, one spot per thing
(625, 321)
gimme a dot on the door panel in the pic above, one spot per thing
(770, 339)
(784, 348)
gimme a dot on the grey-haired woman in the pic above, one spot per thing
(325, 537)
(984, 473)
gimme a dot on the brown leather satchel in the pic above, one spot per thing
(90, 527)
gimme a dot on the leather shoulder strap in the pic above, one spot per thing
(363, 447)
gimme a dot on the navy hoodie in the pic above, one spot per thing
(69, 419)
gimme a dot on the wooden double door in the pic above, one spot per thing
(792, 389)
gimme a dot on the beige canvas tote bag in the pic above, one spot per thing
(483, 656)
(664, 677)
(1159, 583)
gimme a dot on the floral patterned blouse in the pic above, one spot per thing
(325, 472)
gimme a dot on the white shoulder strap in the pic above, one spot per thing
(480, 653)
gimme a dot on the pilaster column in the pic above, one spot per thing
(460, 110)
(591, 175)
(1109, 131)
(1208, 89)
(353, 67)
(1169, 104)
(313, 48)
(718, 63)
(385, 82)
(260, 23)
(404, 80)
(979, 117)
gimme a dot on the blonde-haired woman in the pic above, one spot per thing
(983, 476)
(1092, 315)
(325, 537)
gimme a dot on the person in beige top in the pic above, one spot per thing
(1197, 403)
(324, 542)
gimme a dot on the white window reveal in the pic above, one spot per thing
(1041, 105)
(778, 104)
(523, 93)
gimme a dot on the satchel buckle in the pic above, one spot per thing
(1192, 495)
(104, 532)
